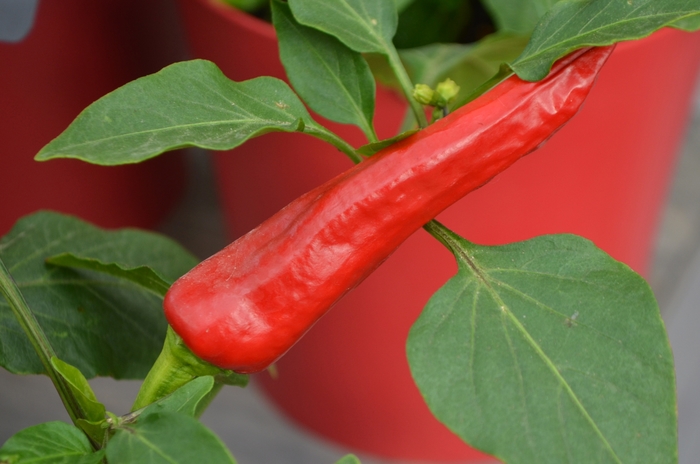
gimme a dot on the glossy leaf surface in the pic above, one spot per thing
(572, 24)
(186, 104)
(166, 437)
(49, 443)
(547, 351)
(332, 79)
(100, 324)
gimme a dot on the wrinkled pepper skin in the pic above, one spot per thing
(245, 306)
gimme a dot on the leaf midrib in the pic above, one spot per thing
(259, 122)
(482, 276)
(548, 362)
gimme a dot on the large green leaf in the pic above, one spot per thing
(186, 104)
(366, 26)
(547, 351)
(169, 438)
(333, 80)
(572, 24)
(517, 16)
(100, 324)
(49, 443)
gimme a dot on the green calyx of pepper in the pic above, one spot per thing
(177, 365)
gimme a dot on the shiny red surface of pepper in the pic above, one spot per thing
(245, 306)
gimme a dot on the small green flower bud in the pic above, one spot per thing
(424, 94)
(447, 90)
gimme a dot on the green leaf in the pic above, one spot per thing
(333, 80)
(366, 26)
(100, 324)
(372, 148)
(186, 399)
(96, 430)
(185, 104)
(572, 24)
(94, 410)
(49, 443)
(517, 16)
(547, 351)
(143, 276)
(348, 459)
(166, 437)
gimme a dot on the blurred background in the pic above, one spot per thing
(188, 209)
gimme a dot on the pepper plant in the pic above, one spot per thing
(546, 350)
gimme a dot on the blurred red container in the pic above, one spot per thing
(604, 176)
(76, 52)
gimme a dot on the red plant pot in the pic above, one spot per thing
(604, 176)
(76, 52)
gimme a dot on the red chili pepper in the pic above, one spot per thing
(245, 306)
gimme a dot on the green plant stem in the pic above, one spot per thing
(406, 86)
(40, 342)
(336, 141)
(441, 233)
